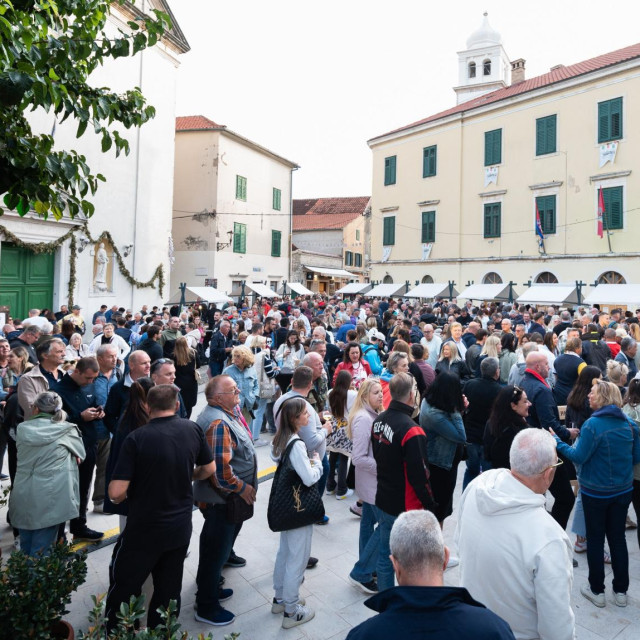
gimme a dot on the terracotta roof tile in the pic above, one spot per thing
(556, 75)
(327, 213)
(196, 123)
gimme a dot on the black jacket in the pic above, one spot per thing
(218, 345)
(496, 448)
(480, 392)
(595, 351)
(152, 348)
(400, 450)
(433, 613)
(75, 399)
(543, 413)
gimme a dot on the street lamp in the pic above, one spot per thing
(224, 245)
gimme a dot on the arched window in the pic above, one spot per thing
(472, 69)
(427, 280)
(546, 277)
(611, 277)
(387, 280)
(486, 67)
(492, 278)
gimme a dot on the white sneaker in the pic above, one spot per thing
(277, 606)
(344, 496)
(595, 598)
(620, 599)
(301, 615)
(454, 561)
(260, 443)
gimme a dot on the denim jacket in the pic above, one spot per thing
(247, 381)
(607, 449)
(445, 431)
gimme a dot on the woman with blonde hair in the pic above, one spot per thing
(451, 361)
(186, 381)
(361, 333)
(491, 349)
(244, 375)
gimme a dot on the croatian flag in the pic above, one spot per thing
(600, 212)
(539, 228)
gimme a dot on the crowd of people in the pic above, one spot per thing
(377, 400)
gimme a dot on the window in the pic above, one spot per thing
(276, 243)
(428, 226)
(429, 161)
(492, 278)
(546, 206)
(357, 234)
(358, 259)
(348, 258)
(546, 135)
(546, 277)
(612, 277)
(277, 199)
(273, 285)
(387, 280)
(241, 188)
(239, 237)
(612, 217)
(610, 120)
(486, 67)
(390, 170)
(427, 280)
(492, 147)
(472, 69)
(492, 219)
(389, 231)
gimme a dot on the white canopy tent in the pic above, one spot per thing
(611, 294)
(431, 290)
(486, 292)
(261, 289)
(550, 294)
(333, 273)
(354, 287)
(385, 290)
(197, 294)
(298, 288)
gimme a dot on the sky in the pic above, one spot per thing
(313, 81)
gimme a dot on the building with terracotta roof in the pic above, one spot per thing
(457, 196)
(330, 236)
(231, 209)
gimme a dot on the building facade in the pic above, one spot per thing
(135, 199)
(507, 186)
(231, 209)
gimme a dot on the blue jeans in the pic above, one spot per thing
(38, 541)
(256, 425)
(369, 544)
(607, 517)
(578, 525)
(475, 463)
(384, 568)
(322, 483)
(216, 541)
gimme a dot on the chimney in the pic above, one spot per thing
(517, 71)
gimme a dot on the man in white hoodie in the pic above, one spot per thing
(514, 557)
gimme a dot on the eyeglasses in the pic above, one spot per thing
(558, 463)
(236, 390)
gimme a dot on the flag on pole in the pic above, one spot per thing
(539, 232)
(600, 212)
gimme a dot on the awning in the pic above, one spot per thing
(626, 294)
(486, 292)
(298, 288)
(332, 273)
(195, 294)
(431, 290)
(354, 287)
(261, 289)
(386, 290)
(550, 294)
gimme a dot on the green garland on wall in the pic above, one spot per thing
(50, 247)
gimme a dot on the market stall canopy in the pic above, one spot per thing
(298, 288)
(354, 287)
(486, 292)
(550, 294)
(196, 294)
(431, 290)
(261, 289)
(626, 294)
(333, 273)
(386, 290)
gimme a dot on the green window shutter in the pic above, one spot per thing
(428, 226)
(610, 120)
(492, 147)
(348, 258)
(429, 161)
(389, 231)
(239, 237)
(276, 243)
(390, 170)
(546, 135)
(358, 257)
(612, 218)
(277, 199)
(547, 210)
(492, 220)
(241, 188)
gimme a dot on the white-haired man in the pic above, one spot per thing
(514, 558)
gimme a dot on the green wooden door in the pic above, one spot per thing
(26, 280)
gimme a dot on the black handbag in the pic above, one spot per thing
(237, 509)
(291, 503)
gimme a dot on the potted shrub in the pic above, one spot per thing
(34, 592)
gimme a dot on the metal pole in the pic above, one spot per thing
(183, 300)
(510, 291)
(241, 298)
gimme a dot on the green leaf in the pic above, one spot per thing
(134, 26)
(11, 200)
(81, 128)
(53, 75)
(23, 206)
(106, 141)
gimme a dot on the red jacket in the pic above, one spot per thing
(348, 366)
